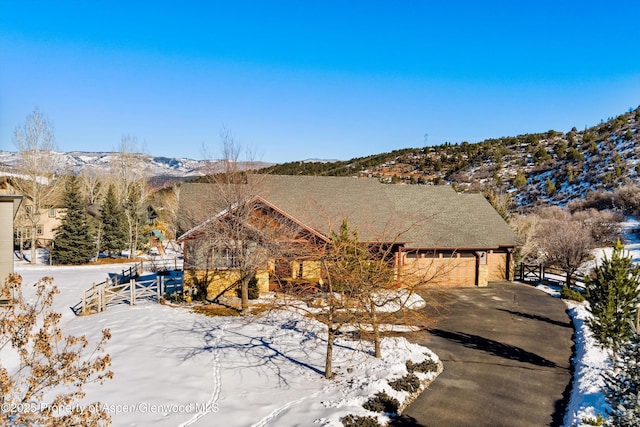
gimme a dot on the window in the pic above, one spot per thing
(24, 232)
(39, 229)
(52, 213)
(223, 258)
(231, 254)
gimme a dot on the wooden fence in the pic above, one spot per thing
(127, 274)
(98, 297)
(539, 273)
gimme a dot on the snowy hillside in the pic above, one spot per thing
(153, 167)
(548, 167)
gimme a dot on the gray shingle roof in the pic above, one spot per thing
(422, 216)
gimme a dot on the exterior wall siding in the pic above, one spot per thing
(6, 240)
(218, 280)
(440, 269)
(311, 270)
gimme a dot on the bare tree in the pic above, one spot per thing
(567, 244)
(131, 188)
(357, 285)
(165, 202)
(526, 228)
(234, 241)
(35, 142)
(92, 185)
(50, 368)
(556, 236)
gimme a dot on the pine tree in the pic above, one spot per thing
(114, 236)
(613, 296)
(622, 385)
(549, 187)
(73, 243)
(520, 180)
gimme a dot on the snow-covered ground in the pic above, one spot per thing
(589, 362)
(174, 367)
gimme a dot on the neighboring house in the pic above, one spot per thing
(49, 220)
(9, 205)
(459, 238)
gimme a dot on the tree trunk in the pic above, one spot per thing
(376, 331)
(98, 241)
(33, 245)
(244, 295)
(22, 244)
(331, 332)
(328, 368)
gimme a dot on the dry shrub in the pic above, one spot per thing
(51, 367)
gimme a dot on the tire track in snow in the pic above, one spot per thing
(217, 383)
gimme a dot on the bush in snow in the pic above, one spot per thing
(360, 421)
(425, 366)
(382, 402)
(597, 421)
(622, 385)
(408, 383)
(571, 294)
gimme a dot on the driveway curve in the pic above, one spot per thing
(507, 353)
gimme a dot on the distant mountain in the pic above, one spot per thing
(159, 170)
(544, 168)
(552, 167)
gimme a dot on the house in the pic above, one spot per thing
(9, 205)
(47, 220)
(458, 237)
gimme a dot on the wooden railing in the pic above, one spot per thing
(539, 273)
(98, 297)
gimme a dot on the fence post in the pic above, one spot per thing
(132, 286)
(84, 302)
(541, 273)
(521, 272)
(160, 286)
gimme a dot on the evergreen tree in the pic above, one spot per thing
(613, 296)
(520, 180)
(114, 235)
(549, 187)
(73, 243)
(622, 385)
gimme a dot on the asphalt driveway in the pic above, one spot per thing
(506, 351)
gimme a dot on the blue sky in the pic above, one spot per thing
(294, 80)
